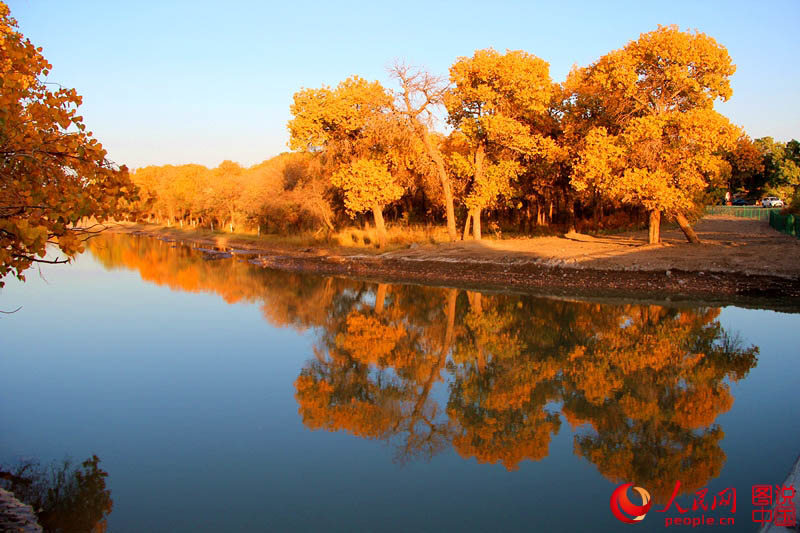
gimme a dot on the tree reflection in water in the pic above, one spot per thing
(641, 384)
(64, 497)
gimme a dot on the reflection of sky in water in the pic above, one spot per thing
(190, 404)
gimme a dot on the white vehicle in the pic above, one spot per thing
(771, 201)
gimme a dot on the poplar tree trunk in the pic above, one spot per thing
(569, 207)
(452, 295)
(377, 213)
(597, 212)
(476, 308)
(691, 236)
(434, 153)
(466, 225)
(655, 227)
(380, 296)
(476, 216)
(440, 364)
(527, 220)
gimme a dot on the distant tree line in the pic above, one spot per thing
(766, 167)
(633, 136)
(285, 193)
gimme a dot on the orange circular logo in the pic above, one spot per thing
(622, 507)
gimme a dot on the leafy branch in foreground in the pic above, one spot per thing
(53, 173)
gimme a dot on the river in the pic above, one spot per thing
(221, 396)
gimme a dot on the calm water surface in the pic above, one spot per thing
(224, 397)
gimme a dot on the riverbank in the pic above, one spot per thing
(16, 516)
(743, 262)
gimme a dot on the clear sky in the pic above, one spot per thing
(200, 82)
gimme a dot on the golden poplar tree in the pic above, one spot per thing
(492, 104)
(353, 127)
(419, 93)
(367, 185)
(655, 139)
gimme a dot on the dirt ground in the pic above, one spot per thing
(729, 244)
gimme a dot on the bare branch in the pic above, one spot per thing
(37, 260)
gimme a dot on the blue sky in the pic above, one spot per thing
(182, 82)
